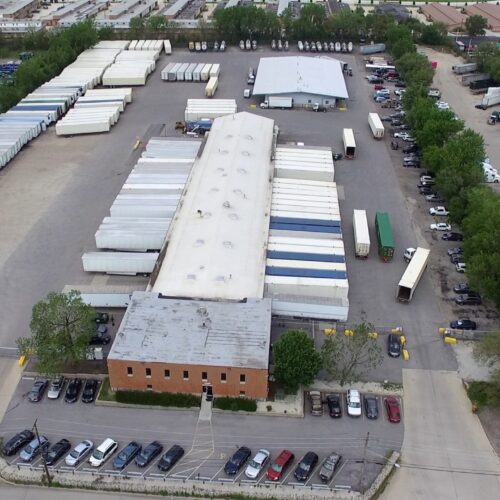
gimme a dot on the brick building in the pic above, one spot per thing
(185, 346)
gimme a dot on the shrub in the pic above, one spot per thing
(150, 398)
(483, 393)
(235, 404)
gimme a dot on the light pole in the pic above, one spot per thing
(49, 478)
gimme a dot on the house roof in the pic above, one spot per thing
(300, 74)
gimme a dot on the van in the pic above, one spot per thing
(103, 452)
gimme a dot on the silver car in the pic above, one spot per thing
(329, 466)
(32, 450)
(80, 451)
(55, 388)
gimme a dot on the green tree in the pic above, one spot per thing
(434, 34)
(154, 24)
(137, 27)
(378, 24)
(348, 358)
(475, 25)
(486, 54)
(311, 22)
(296, 361)
(346, 25)
(415, 68)
(61, 327)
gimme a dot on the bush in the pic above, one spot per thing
(235, 404)
(483, 393)
(150, 398)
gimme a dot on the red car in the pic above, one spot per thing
(379, 87)
(393, 410)
(278, 467)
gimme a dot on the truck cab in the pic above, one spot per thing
(409, 253)
(494, 118)
(319, 108)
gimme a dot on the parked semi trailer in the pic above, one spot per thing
(372, 49)
(361, 234)
(411, 277)
(211, 86)
(385, 238)
(376, 125)
(491, 98)
(349, 143)
(461, 69)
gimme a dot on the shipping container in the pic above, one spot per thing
(205, 73)
(376, 125)
(123, 263)
(181, 70)
(168, 47)
(211, 86)
(188, 75)
(349, 143)
(197, 72)
(215, 70)
(385, 237)
(411, 277)
(361, 234)
(464, 68)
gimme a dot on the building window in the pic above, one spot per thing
(243, 378)
(223, 377)
(242, 393)
(148, 372)
(149, 387)
(166, 373)
(204, 376)
(130, 371)
(185, 375)
(327, 102)
(309, 101)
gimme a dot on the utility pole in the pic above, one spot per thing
(362, 472)
(49, 478)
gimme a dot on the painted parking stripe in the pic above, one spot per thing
(217, 473)
(155, 474)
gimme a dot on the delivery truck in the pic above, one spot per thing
(376, 125)
(361, 234)
(385, 238)
(491, 98)
(411, 277)
(277, 102)
(349, 143)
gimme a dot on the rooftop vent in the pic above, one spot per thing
(226, 204)
(199, 243)
(191, 277)
(227, 244)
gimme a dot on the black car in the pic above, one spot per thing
(101, 318)
(148, 454)
(306, 466)
(374, 81)
(14, 444)
(73, 390)
(411, 149)
(170, 458)
(452, 237)
(57, 451)
(462, 288)
(411, 164)
(456, 258)
(455, 251)
(468, 299)
(334, 405)
(89, 390)
(463, 324)
(126, 455)
(385, 119)
(400, 84)
(426, 190)
(236, 462)
(371, 407)
(393, 345)
(100, 338)
(37, 391)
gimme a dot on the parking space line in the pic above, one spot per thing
(237, 477)
(155, 474)
(295, 484)
(217, 473)
(337, 472)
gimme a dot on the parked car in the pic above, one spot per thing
(405, 136)
(371, 407)
(33, 449)
(306, 466)
(440, 226)
(334, 405)
(411, 164)
(393, 409)
(15, 443)
(90, 390)
(280, 465)
(170, 458)
(374, 79)
(103, 452)
(412, 148)
(79, 452)
(393, 345)
(257, 464)
(468, 299)
(353, 403)
(126, 455)
(456, 258)
(462, 288)
(439, 211)
(455, 251)
(37, 391)
(329, 466)
(100, 337)
(452, 237)
(101, 317)
(400, 84)
(73, 390)
(463, 324)
(460, 267)
(316, 404)
(385, 118)
(426, 190)
(148, 454)
(236, 462)
(55, 388)
(434, 198)
(427, 178)
(56, 451)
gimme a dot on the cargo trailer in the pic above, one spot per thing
(460, 69)
(215, 70)
(361, 234)
(168, 47)
(205, 73)
(373, 48)
(411, 277)
(349, 143)
(491, 98)
(474, 77)
(197, 72)
(376, 125)
(188, 75)
(385, 237)
(172, 74)
(211, 86)
(123, 263)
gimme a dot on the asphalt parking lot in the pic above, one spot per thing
(208, 446)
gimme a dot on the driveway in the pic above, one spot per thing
(445, 454)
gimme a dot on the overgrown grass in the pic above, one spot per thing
(484, 394)
(235, 404)
(106, 393)
(165, 399)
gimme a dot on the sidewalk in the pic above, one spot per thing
(10, 374)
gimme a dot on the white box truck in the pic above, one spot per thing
(460, 69)
(376, 125)
(361, 234)
(277, 102)
(411, 277)
(211, 86)
(168, 47)
(349, 143)
(491, 98)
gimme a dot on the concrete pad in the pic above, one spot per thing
(445, 453)
(10, 374)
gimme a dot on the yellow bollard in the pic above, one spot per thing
(348, 333)
(329, 331)
(22, 360)
(442, 330)
(373, 335)
(406, 354)
(450, 340)
(402, 340)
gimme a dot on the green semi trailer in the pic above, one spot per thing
(385, 238)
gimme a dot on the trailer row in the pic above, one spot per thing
(131, 68)
(200, 109)
(189, 72)
(297, 162)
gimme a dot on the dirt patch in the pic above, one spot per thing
(490, 420)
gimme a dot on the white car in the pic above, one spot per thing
(353, 403)
(439, 211)
(55, 388)
(460, 267)
(400, 91)
(426, 178)
(257, 464)
(79, 452)
(440, 226)
(442, 105)
(405, 136)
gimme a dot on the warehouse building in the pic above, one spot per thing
(308, 80)
(489, 11)
(444, 14)
(399, 12)
(17, 9)
(186, 346)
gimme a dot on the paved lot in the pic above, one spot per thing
(208, 445)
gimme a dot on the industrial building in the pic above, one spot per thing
(489, 11)
(444, 14)
(186, 346)
(17, 9)
(308, 80)
(399, 12)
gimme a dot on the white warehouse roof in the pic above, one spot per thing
(310, 75)
(216, 249)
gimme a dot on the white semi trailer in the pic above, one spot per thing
(361, 234)
(411, 277)
(376, 125)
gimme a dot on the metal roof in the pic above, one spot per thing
(300, 74)
(188, 332)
